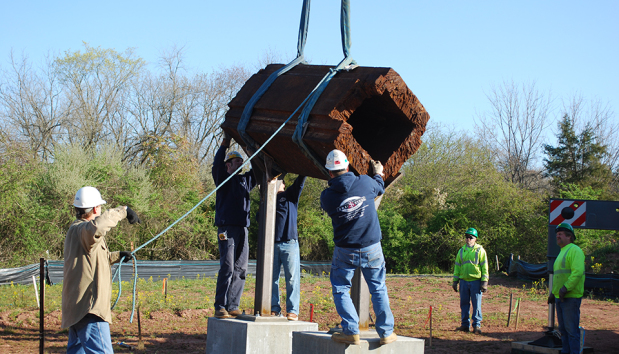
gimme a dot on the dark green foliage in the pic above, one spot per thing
(577, 157)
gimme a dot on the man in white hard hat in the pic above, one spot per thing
(232, 206)
(349, 201)
(87, 283)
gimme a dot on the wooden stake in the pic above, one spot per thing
(36, 292)
(518, 312)
(509, 313)
(497, 262)
(140, 342)
(430, 326)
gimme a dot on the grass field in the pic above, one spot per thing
(177, 323)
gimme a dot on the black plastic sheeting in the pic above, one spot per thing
(146, 269)
(602, 284)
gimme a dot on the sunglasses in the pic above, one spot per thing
(469, 237)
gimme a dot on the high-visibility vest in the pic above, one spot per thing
(471, 264)
(569, 271)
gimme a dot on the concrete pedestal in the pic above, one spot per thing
(253, 335)
(320, 342)
(526, 348)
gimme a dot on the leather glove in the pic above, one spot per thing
(454, 285)
(484, 286)
(376, 168)
(551, 298)
(562, 292)
(132, 217)
(127, 256)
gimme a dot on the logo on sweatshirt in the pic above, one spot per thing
(351, 204)
(352, 208)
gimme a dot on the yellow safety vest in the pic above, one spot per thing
(471, 264)
(569, 271)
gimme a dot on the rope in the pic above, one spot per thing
(187, 213)
(346, 64)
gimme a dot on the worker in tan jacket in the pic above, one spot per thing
(87, 284)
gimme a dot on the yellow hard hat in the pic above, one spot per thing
(232, 155)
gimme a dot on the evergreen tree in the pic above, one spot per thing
(577, 158)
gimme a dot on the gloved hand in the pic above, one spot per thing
(562, 292)
(551, 298)
(484, 286)
(127, 256)
(226, 138)
(132, 217)
(454, 285)
(376, 168)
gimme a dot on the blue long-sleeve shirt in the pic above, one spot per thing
(232, 199)
(349, 201)
(287, 211)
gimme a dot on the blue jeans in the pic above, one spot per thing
(89, 336)
(233, 260)
(568, 315)
(372, 263)
(470, 291)
(287, 254)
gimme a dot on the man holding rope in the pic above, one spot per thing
(232, 220)
(87, 284)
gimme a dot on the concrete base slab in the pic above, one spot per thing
(257, 336)
(526, 348)
(320, 342)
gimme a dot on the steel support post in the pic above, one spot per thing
(266, 242)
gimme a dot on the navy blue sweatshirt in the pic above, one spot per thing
(349, 201)
(287, 206)
(232, 199)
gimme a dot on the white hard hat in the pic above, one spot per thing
(87, 197)
(336, 160)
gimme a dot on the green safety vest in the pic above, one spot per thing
(569, 271)
(471, 264)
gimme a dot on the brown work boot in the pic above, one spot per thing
(477, 330)
(345, 338)
(222, 313)
(292, 317)
(388, 339)
(463, 329)
(235, 313)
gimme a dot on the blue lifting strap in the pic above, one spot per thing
(310, 101)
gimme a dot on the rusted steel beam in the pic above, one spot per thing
(369, 113)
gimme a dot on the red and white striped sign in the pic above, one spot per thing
(579, 208)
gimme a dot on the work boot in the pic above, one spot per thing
(388, 339)
(477, 330)
(463, 329)
(222, 313)
(292, 317)
(235, 313)
(345, 338)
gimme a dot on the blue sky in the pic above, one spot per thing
(448, 52)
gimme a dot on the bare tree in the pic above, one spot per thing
(96, 82)
(514, 128)
(31, 104)
(180, 103)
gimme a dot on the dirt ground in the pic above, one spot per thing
(411, 298)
